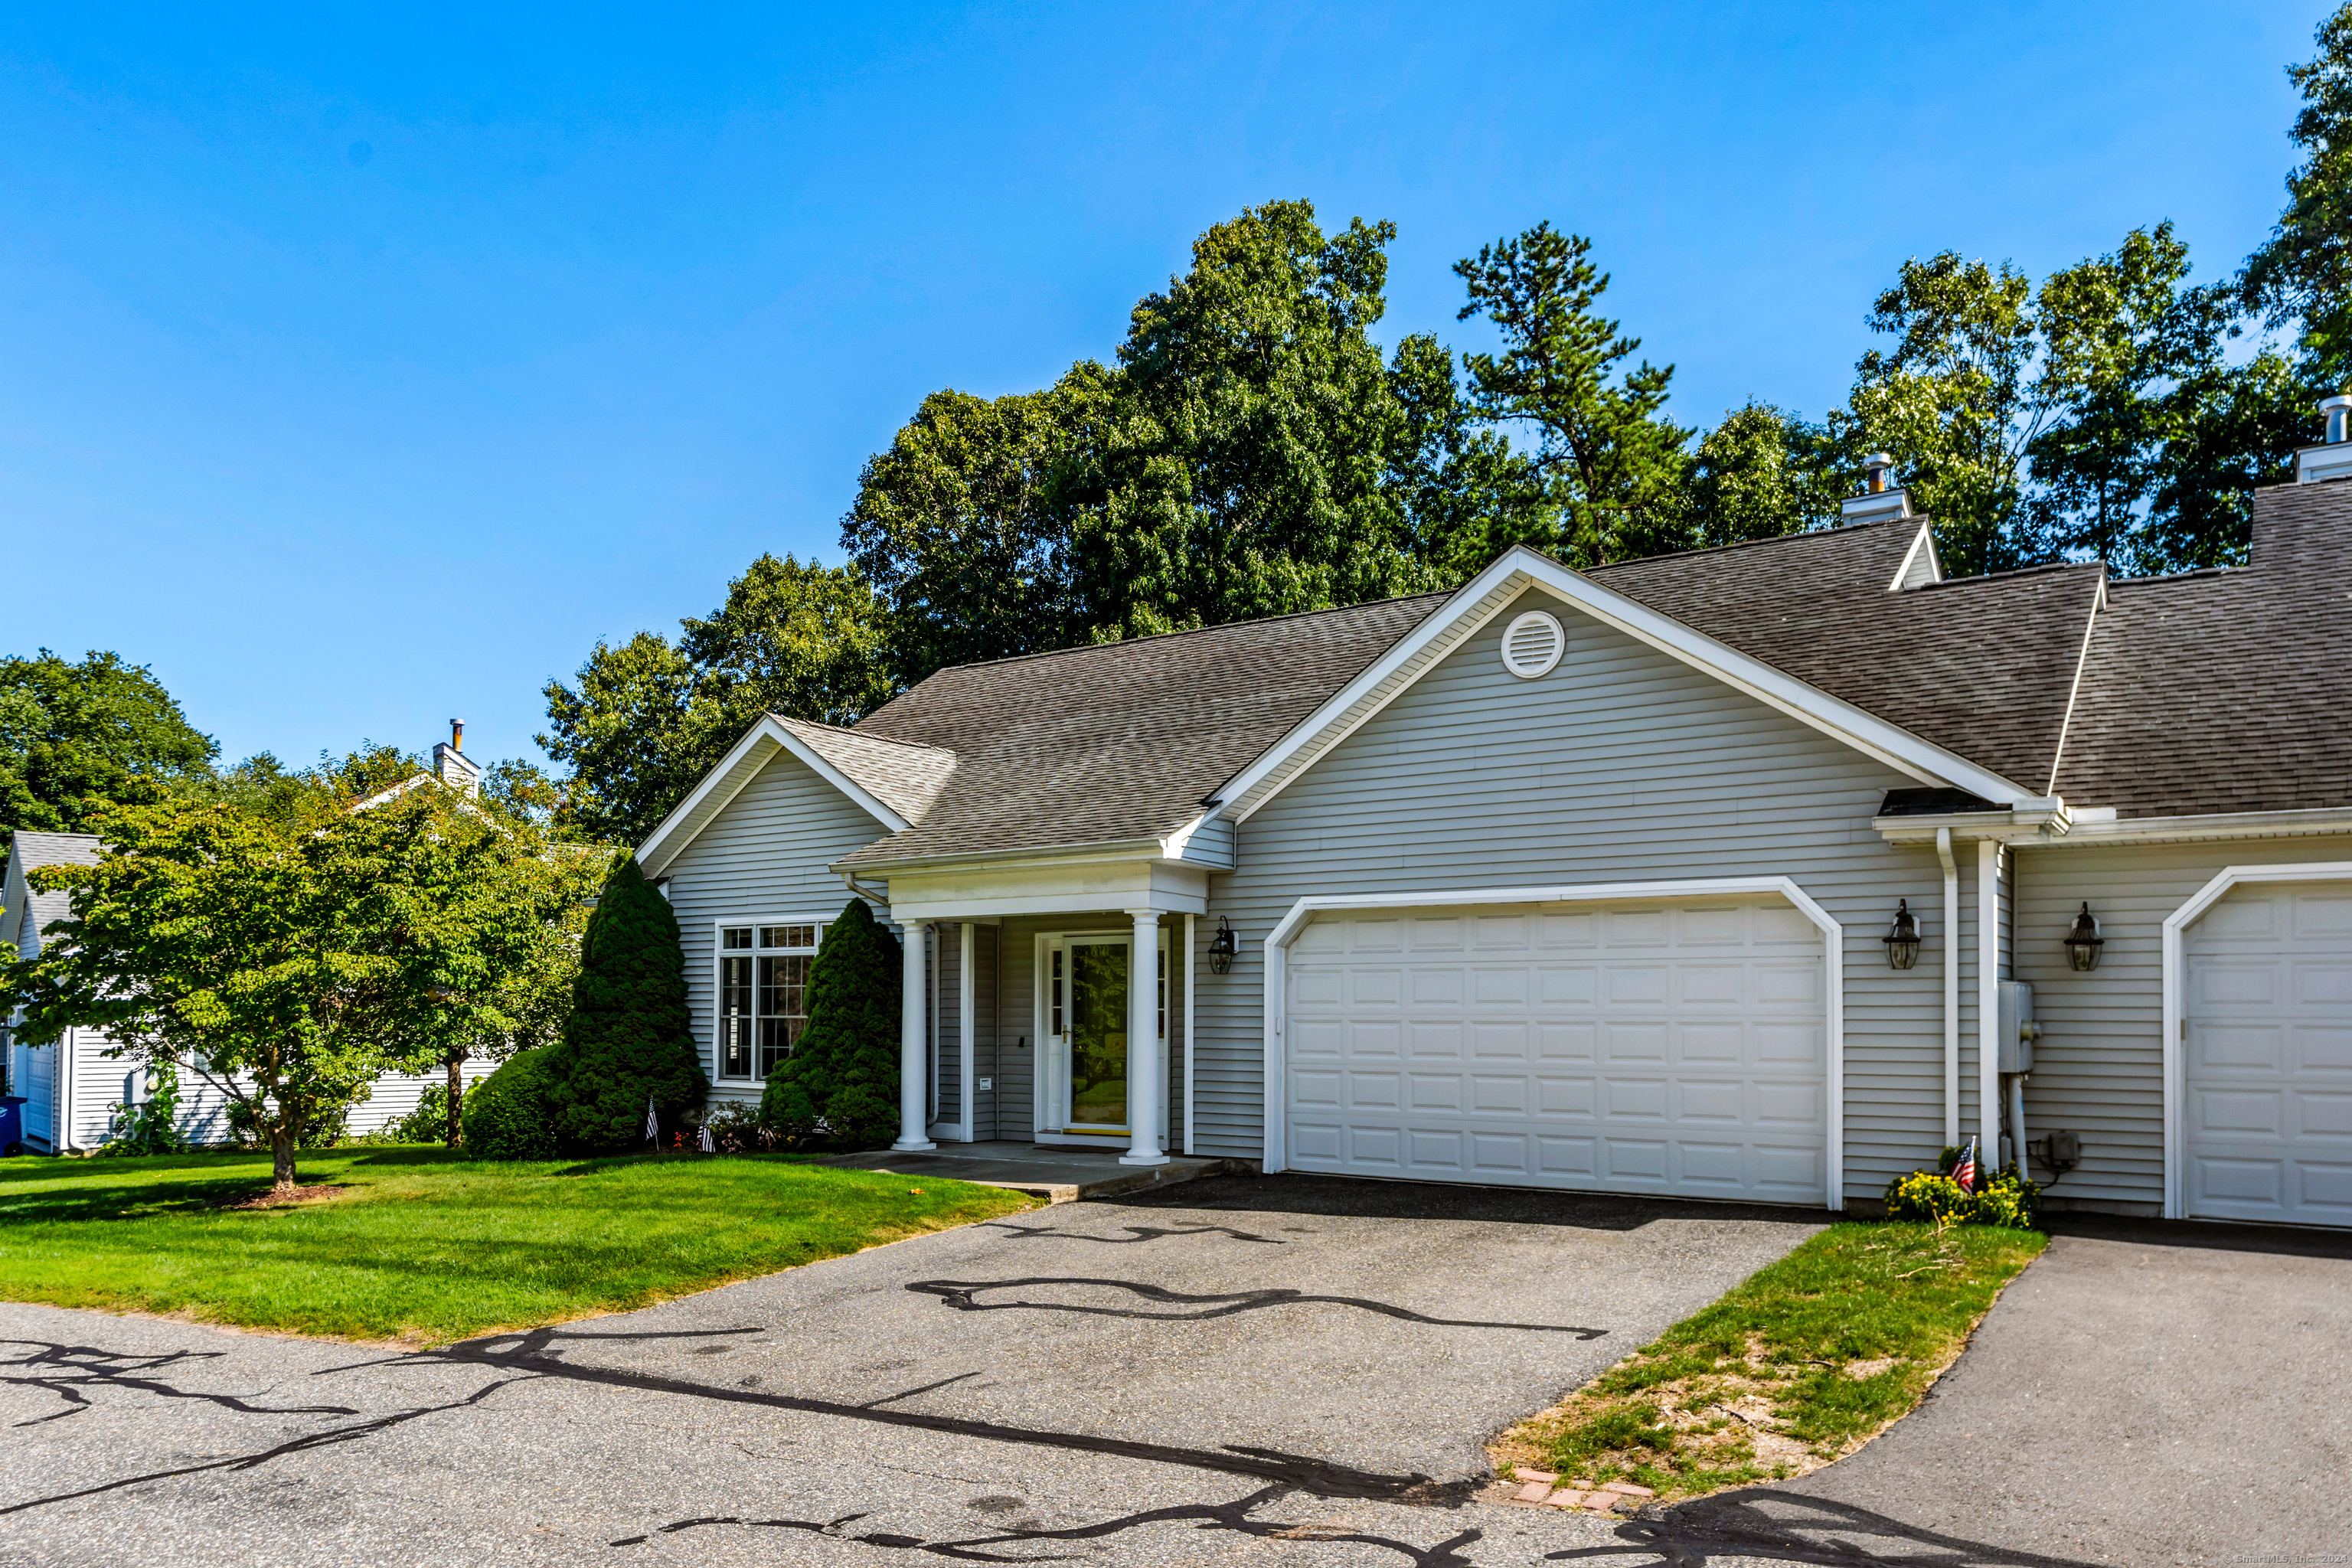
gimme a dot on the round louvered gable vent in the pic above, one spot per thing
(1532, 644)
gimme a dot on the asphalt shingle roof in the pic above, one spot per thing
(31, 851)
(1983, 666)
(2226, 690)
(2208, 692)
(1119, 741)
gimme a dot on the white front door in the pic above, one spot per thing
(1677, 1049)
(2267, 1054)
(1082, 1002)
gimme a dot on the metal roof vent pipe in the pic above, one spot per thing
(1877, 502)
(2332, 459)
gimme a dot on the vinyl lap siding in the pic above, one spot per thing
(2098, 1068)
(1622, 764)
(762, 858)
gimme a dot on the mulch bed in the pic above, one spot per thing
(278, 1198)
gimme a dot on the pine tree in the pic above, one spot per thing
(842, 1079)
(629, 1037)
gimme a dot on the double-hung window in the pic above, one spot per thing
(763, 995)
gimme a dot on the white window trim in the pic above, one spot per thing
(719, 953)
(1285, 932)
(1043, 1102)
(2176, 927)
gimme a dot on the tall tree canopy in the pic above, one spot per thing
(649, 717)
(1611, 465)
(77, 736)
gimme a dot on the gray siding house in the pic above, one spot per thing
(1586, 880)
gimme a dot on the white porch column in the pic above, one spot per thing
(914, 1011)
(1143, 1068)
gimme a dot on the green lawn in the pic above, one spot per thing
(1799, 1364)
(426, 1245)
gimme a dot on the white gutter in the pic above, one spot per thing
(1988, 1003)
(1951, 986)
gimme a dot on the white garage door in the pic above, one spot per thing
(2267, 1054)
(1678, 1049)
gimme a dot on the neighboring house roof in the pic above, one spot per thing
(2226, 690)
(2213, 691)
(30, 851)
(1119, 741)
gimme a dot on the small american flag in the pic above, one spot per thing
(1964, 1170)
(653, 1123)
(707, 1146)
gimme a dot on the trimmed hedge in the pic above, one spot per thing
(508, 1113)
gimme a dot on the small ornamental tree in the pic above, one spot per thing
(842, 1079)
(629, 1037)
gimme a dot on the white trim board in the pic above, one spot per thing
(1286, 930)
(1520, 568)
(737, 769)
(2176, 924)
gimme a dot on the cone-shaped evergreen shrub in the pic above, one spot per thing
(507, 1112)
(841, 1082)
(629, 1036)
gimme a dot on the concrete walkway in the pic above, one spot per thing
(1057, 1174)
(2146, 1393)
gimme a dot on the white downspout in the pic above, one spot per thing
(1987, 1002)
(1951, 986)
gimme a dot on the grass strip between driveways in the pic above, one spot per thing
(423, 1243)
(1797, 1365)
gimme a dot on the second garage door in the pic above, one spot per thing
(2268, 1055)
(1679, 1049)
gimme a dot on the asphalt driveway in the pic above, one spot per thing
(2145, 1393)
(1305, 1369)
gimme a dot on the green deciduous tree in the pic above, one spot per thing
(1241, 465)
(963, 530)
(1758, 474)
(288, 962)
(628, 1040)
(1951, 401)
(1612, 465)
(649, 718)
(77, 736)
(2301, 277)
(840, 1080)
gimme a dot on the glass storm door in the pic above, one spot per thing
(1096, 974)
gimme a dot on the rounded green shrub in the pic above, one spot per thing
(508, 1113)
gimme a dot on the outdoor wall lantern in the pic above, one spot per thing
(2084, 942)
(1222, 946)
(1902, 938)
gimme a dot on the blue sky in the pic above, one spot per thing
(361, 367)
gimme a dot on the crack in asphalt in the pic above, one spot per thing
(1233, 1516)
(1139, 1233)
(961, 1293)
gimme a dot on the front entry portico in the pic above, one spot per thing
(1101, 1022)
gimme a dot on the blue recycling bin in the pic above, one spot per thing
(12, 1122)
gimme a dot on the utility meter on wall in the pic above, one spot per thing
(2016, 1030)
